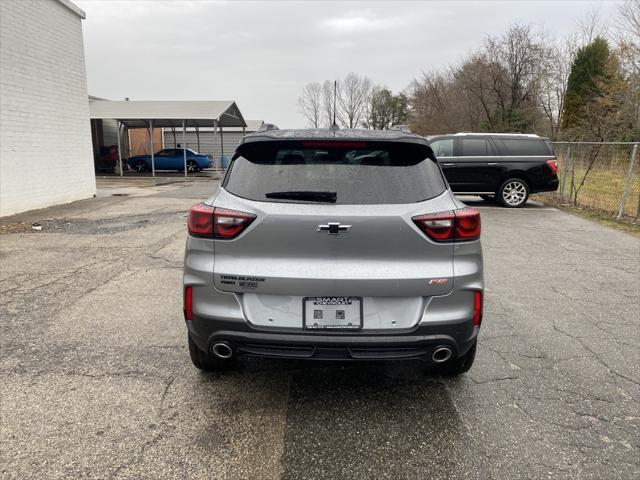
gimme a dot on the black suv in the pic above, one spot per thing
(501, 166)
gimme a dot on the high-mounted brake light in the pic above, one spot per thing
(457, 226)
(333, 144)
(553, 165)
(477, 308)
(210, 222)
(188, 303)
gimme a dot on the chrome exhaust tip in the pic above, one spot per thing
(441, 354)
(222, 350)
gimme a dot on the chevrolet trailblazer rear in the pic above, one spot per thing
(324, 244)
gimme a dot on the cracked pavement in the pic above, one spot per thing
(97, 383)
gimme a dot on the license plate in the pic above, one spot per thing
(325, 313)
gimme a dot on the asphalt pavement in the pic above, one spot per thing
(96, 381)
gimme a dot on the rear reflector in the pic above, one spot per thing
(553, 165)
(188, 303)
(477, 308)
(456, 226)
(210, 222)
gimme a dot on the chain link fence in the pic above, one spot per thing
(600, 176)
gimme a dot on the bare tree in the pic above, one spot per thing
(629, 20)
(441, 103)
(514, 62)
(479, 80)
(590, 25)
(310, 103)
(503, 79)
(628, 50)
(553, 82)
(353, 95)
(328, 103)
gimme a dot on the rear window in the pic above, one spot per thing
(356, 172)
(525, 146)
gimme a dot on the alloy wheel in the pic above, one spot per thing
(514, 193)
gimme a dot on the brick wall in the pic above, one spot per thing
(45, 135)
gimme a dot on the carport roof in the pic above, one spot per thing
(136, 114)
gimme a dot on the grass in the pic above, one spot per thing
(603, 190)
(627, 224)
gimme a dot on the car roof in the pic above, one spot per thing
(329, 134)
(492, 135)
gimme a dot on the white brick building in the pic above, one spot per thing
(45, 136)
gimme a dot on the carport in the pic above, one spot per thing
(167, 114)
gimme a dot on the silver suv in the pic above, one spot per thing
(334, 245)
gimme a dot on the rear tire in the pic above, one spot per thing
(458, 366)
(205, 361)
(513, 193)
(192, 166)
(140, 166)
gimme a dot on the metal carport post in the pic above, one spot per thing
(153, 161)
(119, 147)
(215, 133)
(221, 150)
(184, 146)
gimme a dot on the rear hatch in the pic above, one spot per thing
(333, 218)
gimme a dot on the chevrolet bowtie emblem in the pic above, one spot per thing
(333, 228)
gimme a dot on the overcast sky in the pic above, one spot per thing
(262, 53)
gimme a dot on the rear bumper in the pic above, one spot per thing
(417, 343)
(550, 186)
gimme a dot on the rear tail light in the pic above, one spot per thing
(467, 224)
(229, 223)
(188, 303)
(210, 222)
(457, 226)
(200, 221)
(477, 308)
(553, 165)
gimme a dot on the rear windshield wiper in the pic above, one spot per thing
(328, 197)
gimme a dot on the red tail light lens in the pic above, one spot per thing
(477, 308)
(467, 224)
(458, 226)
(229, 223)
(553, 165)
(188, 303)
(438, 227)
(200, 221)
(210, 222)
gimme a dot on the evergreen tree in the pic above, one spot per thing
(591, 75)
